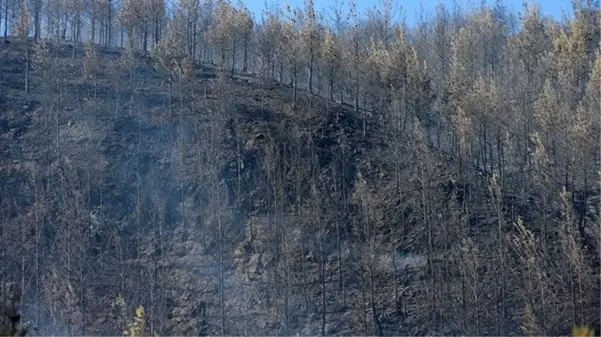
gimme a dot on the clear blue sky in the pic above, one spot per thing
(411, 7)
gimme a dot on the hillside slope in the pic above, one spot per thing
(223, 207)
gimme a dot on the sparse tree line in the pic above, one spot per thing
(487, 173)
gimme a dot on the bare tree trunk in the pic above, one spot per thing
(295, 85)
(145, 39)
(221, 277)
(157, 29)
(37, 250)
(37, 9)
(6, 19)
(245, 66)
(57, 113)
(27, 65)
(138, 293)
(65, 26)
(323, 278)
(501, 251)
(428, 224)
(93, 24)
(311, 61)
(233, 59)
(110, 23)
(23, 284)
(286, 289)
(246, 307)
(74, 35)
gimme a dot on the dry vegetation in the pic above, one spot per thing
(297, 175)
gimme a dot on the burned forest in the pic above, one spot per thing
(300, 171)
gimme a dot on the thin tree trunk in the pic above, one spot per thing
(233, 60)
(5, 19)
(145, 39)
(37, 8)
(311, 61)
(93, 25)
(221, 283)
(245, 65)
(110, 23)
(27, 62)
(323, 280)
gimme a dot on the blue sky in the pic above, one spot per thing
(411, 7)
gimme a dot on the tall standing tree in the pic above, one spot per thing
(228, 33)
(291, 50)
(269, 39)
(130, 17)
(354, 58)
(332, 59)
(310, 35)
(246, 23)
(21, 29)
(37, 20)
(189, 10)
